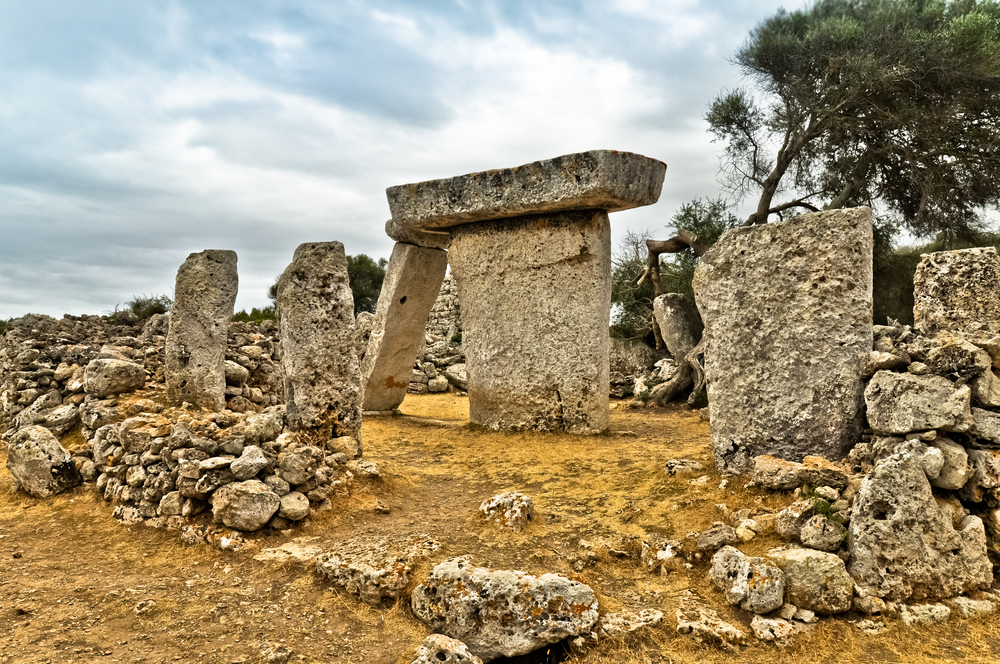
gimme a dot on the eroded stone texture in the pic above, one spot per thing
(958, 291)
(204, 297)
(39, 463)
(536, 303)
(107, 377)
(903, 402)
(322, 376)
(756, 584)
(787, 308)
(679, 324)
(440, 649)
(500, 613)
(374, 568)
(401, 233)
(598, 180)
(904, 545)
(815, 581)
(412, 281)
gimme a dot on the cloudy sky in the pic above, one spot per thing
(135, 133)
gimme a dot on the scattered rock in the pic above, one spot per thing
(814, 580)
(440, 649)
(924, 614)
(704, 625)
(512, 510)
(245, 505)
(374, 568)
(39, 463)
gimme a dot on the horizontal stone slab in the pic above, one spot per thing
(597, 180)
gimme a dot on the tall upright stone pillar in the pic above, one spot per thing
(531, 252)
(412, 281)
(204, 297)
(322, 376)
(787, 308)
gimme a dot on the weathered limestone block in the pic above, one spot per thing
(500, 613)
(512, 510)
(245, 505)
(958, 291)
(756, 584)
(783, 475)
(904, 402)
(204, 297)
(815, 581)
(107, 377)
(431, 240)
(322, 376)
(412, 281)
(374, 568)
(39, 463)
(904, 545)
(986, 427)
(598, 180)
(440, 649)
(536, 303)
(787, 313)
(679, 324)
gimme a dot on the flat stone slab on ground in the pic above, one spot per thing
(597, 180)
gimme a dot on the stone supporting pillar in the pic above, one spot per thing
(316, 321)
(531, 251)
(787, 308)
(536, 304)
(412, 281)
(204, 297)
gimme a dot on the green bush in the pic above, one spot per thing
(255, 316)
(141, 307)
(3, 326)
(456, 338)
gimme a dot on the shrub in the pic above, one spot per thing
(141, 307)
(255, 316)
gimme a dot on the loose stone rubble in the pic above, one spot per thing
(499, 613)
(375, 569)
(512, 510)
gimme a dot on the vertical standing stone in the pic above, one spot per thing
(536, 303)
(958, 291)
(679, 324)
(316, 320)
(531, 251)
(204, 297)
(787, 308)
(412, 281)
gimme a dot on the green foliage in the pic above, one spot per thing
(366, 277)
(3, 326)
(633, 305)
(889, 103)
(141, 307)
(456, 338)
(255, 316)
(272, 292)
(708, 219)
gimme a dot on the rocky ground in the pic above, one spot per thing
(76, 586)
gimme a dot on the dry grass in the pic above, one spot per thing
(436, 471)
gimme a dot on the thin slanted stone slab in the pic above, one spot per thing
(597, 180)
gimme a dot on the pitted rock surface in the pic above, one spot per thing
(958, 291)
(756, 584)
(204, 297)
(374, 568)
(500, 613)
(899, 403)
(815, 581)
(107, 377)
(787, 313)
(440, 649)
(512, 510)
(776, 474)
(245, 505)
(704, 625)
(535, 361)
(322, 375)
(904, 546)
(39, 463)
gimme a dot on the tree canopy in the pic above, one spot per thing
(366, 276)
(869, 102)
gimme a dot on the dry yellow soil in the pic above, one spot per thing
(72, 579)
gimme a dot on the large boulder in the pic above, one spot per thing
(904, 545)
(105, 378)
(500, 613)
(322, 375)
(245, 505)
(204, 297)
(39, 463)
(815, 581)
(904, 402)
(787, 314)
(958, 291)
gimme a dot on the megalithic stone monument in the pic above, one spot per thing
(204, 297)
(787, 308)
(322, 376)
(531, 252)
(413, 278)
